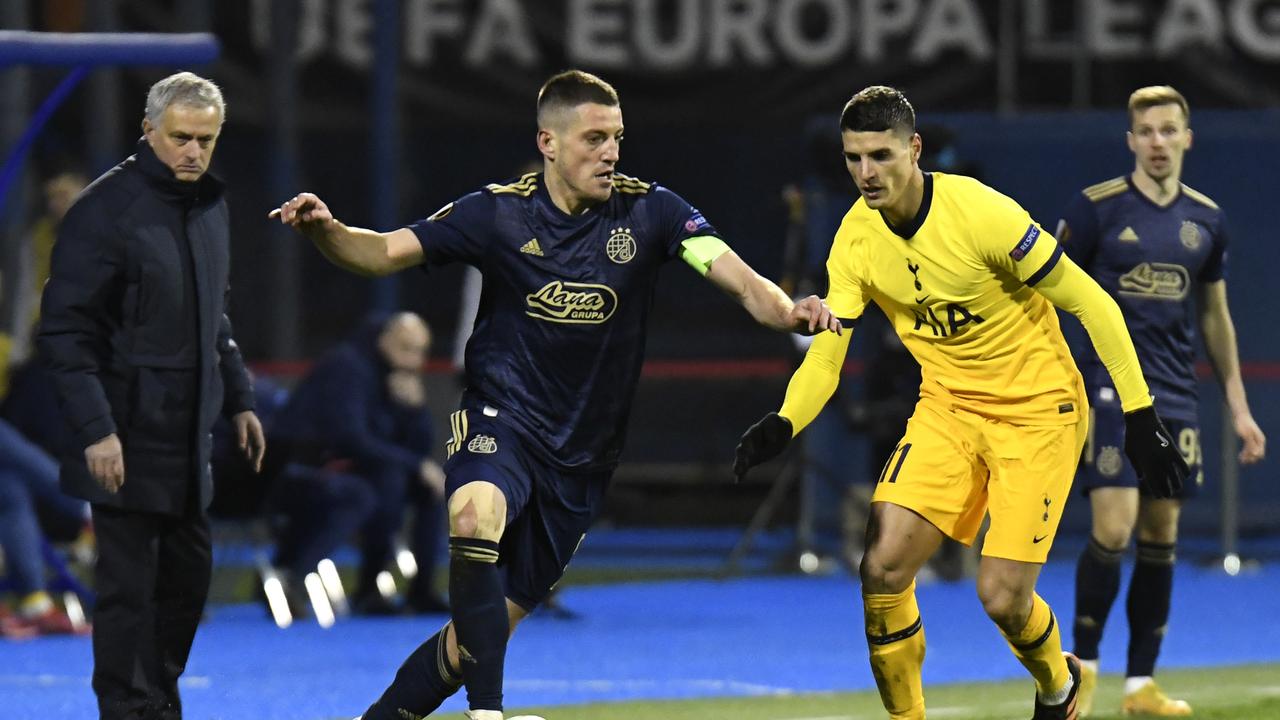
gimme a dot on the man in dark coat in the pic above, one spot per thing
(354, 442)
(134, 331)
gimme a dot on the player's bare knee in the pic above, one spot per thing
(880, 574)
(1158, 521)
(477, 510)
(1008, 606)
(1113, 536)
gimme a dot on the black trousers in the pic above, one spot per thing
(152, 580)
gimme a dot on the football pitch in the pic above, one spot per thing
(749, 648)
(1247, 692)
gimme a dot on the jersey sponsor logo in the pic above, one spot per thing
(1127, 235)
(957, 318)
(621, 246)
(532, 248)
(1160, 281)
(441, 213)
(1027, 242)
(1189, 234)
(569, 302)
(695, 222)
(483, 445)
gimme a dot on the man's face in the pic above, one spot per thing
(404, 343)
(184, 139)
(1159, 138)
(582, 147)
(881, 164)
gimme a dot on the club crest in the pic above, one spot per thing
(621, 246)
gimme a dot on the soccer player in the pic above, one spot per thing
(969, 282)
(1160, 249)
(570, 258)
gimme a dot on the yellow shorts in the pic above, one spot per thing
(952, 466)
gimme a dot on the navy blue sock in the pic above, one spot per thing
(422, 683)
(1148, 606)
(480, 618)
(1097, 584)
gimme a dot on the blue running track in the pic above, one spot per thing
(644, 640)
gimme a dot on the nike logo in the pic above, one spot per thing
(921, 300)
(1163, 442)
(1038, 539)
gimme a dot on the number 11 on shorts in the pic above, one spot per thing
(900, 451)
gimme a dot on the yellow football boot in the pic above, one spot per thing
(1088, 684)
(1151, 701)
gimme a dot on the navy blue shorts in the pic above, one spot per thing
(549, 510)
(1105, 464)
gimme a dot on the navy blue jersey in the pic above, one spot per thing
(560, 332)
(1152, 260)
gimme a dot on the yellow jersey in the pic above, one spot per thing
(957, 285)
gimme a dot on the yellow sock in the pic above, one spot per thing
(895, 637)
(1039, 648)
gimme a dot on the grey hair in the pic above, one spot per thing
(184, 88)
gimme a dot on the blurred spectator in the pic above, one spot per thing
(59, 191)
(353, 447)
(32, 270)
(29, 479)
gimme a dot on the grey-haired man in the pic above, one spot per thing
(134, 330)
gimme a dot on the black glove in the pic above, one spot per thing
(761, 442)
(1160, 467)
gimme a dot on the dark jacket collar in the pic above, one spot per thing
(170, 188)
(908, 230)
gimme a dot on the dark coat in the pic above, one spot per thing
(133, 329)
(342, 410)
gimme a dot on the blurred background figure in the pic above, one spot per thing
(32, 268)
(29, 494)
(353, 451)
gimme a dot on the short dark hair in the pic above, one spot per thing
(571, 88)
(878, 108)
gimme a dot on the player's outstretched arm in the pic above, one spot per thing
(1220, 345)
(766, 302)
(810, 388)
(361, 251)
(1160, 467)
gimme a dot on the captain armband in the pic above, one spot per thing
(701, 251)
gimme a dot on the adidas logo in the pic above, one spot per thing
(533, 248)
(1128, 235)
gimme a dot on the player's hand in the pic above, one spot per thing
(105, 459)
(811, 316)
(250, 438)
(303, 212)
(432, 477)
(761, 442)
(1255, 443)
(1160, 467)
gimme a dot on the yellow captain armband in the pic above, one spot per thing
(701, 251)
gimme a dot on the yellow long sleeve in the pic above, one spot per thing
(816, 379)
(1071, 289)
